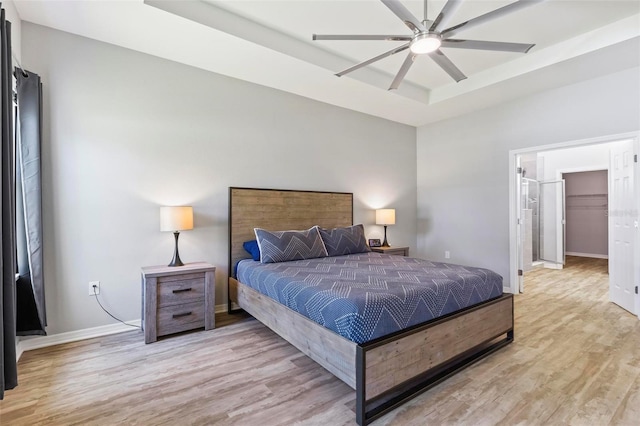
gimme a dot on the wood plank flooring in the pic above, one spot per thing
(575, 361)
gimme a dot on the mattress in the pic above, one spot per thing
(369, 295)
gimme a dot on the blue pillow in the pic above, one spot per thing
(284, 246)
(341, 241)
(252, 248)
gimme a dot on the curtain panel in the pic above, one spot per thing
(31, 310)
(8, 368)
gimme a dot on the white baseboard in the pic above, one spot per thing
(550, 265)
(19, 349)
(30, 343)
(595, 256)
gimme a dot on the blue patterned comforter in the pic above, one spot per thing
(368, 295)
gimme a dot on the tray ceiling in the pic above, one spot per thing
(269, 43)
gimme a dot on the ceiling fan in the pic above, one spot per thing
(429, 36)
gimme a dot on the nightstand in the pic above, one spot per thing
(176, 299)
(398, 251)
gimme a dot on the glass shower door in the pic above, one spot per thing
(552, 221)
(530, 223)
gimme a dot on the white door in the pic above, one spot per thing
(623, 226)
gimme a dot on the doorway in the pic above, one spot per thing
(540, 208)
(587, 214)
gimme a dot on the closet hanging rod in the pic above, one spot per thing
(586, 195)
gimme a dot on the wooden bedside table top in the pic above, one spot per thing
(151, 271)
(404, 251)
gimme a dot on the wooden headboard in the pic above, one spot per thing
(279, 210)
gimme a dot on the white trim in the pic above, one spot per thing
(551, 265)
(73, 336)
(514, 282)
(602, 168)
(513, 243)
(595, 256)
(19, 349)
(30, 343)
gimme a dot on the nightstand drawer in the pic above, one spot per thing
(177, 318)
(180, 289)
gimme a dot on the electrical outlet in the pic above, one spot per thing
(97, 286)
(447, 255)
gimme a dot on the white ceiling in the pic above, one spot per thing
(269, 42)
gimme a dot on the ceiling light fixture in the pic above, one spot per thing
(425, 43)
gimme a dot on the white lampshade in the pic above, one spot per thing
(386, 217)
(178, 218)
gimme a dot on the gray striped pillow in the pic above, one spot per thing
(283, 246)
(341, 241)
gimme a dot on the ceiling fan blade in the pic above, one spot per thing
(361, 37)
(446, 64)
(372, 60)
(445, 15)
(490, 16)
(487, 45)
(405, 16)
(403, 71)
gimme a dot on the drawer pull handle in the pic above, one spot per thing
(182, 290)
(184, 314)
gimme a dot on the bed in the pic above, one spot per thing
(385, 367)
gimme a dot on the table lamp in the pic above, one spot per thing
(176, 219)
(385, 217)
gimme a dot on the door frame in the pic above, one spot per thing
(515, 281)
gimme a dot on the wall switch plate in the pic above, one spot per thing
(91, 284)
(447, 255)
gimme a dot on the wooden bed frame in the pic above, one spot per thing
(387, 371)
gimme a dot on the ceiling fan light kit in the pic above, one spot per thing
(429, 36)
(425, 43)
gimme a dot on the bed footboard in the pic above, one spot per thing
(393, 369)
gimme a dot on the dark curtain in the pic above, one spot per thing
(31, 317)
(8, 368)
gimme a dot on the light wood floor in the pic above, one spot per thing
(576, 360)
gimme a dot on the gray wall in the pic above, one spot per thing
(463, 163)
(16, 29)
(586, 205)
(126, 132)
